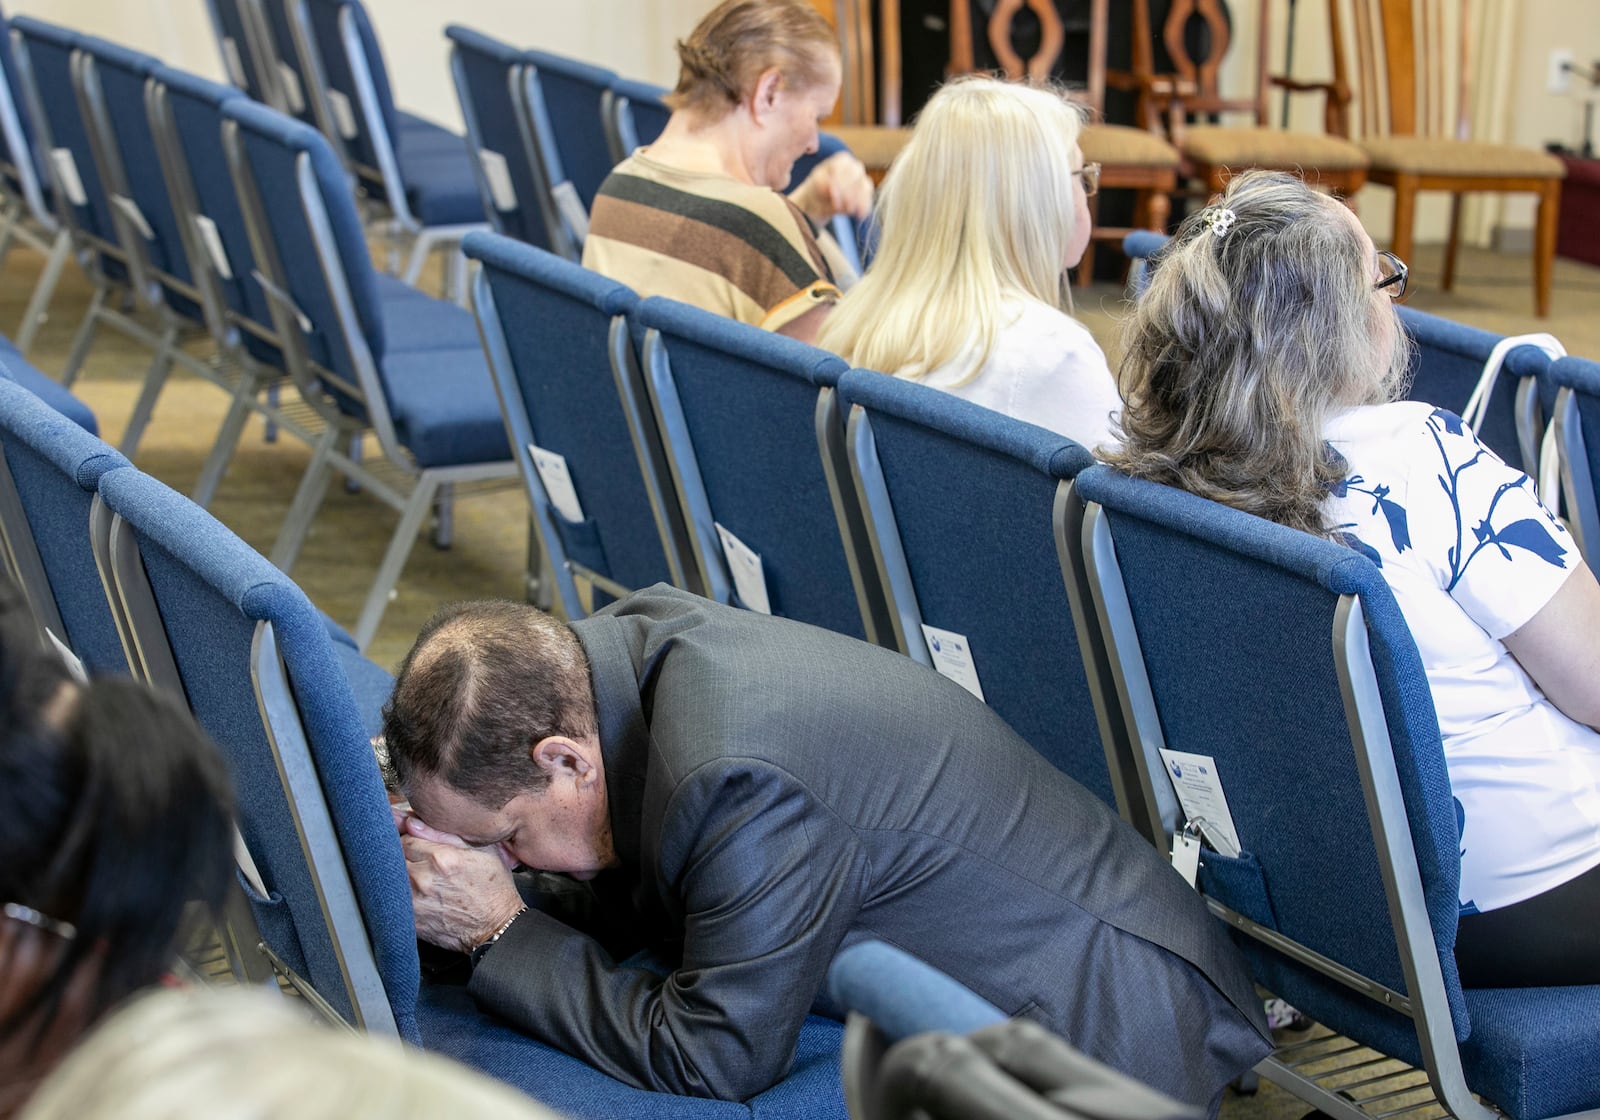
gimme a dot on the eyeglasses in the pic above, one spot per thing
(29, 916)
(1392, 274)
(1089, 178)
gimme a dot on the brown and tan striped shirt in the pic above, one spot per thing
(739, 250)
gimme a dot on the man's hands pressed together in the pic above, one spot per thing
(461, 894)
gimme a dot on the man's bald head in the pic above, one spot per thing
(484, 682)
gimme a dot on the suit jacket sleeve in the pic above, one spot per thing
(768, 881)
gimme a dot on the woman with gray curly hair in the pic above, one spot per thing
(1262, 371)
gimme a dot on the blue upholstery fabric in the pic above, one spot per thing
(414, 320)
(647, 113)
(211, 589)
(57, 467)
(50, 52)
(484, 73)
(451, 1025)
(440, 187)
(46, 388)
(1583, 378)
(902, 995)
(974, 494)
(8, 63)
(1254, 602)
(556, 318)
(281, 44)
(749, 399)
(231, 22)
(370, 683)
(572, 91)
(444, 407)
(1449, 360)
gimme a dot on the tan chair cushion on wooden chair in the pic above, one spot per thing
(1421, 155)
(1240, 148)
(873, 144)
(1109, 144)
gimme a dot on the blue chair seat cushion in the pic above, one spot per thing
(444, 407)
(47, 389)
(414, 320)
(441, 188)
(451, 1024)
(370, 682)
(418, 136)
(1533, 1051)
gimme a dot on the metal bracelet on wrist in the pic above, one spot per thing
(479, 950)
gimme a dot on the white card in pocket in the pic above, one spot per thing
(498, 174)
(952, 657)
(67, 173)
(1199, 789)
(557, 482)
(344, 114)
(744, 565)
(74, 666)
(211, 238)
(292, 93)
(1186, 856)
(572, 209)
(130, 210)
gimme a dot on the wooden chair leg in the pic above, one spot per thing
(1405, 213)
(1086, 262)
(1544, 245)
(1453, 242)
(1158, 210)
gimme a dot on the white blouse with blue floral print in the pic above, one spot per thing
(1471, 556)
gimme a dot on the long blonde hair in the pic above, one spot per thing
(976, 209)
(1247, 341)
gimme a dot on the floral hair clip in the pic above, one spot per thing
(1219, 219)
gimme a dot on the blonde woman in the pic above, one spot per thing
(980, 218)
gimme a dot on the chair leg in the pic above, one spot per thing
(9, 217)
(353, 452)
(444, 510)
(1405, 212)
(39, 302)
(1086, 262)
(270, 435)
(154, 379)
(1544, 245)
(1453, 243)
(83, 339)
(307, 500)
(394, 560)
(227, 441)
(420, 248)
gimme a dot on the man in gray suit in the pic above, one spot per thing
(753, 795)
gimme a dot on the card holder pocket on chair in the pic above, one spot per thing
(276, 925)
(581, 539)
(1239, 884)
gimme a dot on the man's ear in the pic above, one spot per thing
(558, 756)
(764, 96)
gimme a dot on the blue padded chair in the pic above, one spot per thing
(1139, 246)
(239, 640)
(564, 367)
(47, 389)
(422, 387)
(419, 172)
(754, 439)
(244, 44)
(1285, 659)
(491, 80)
(28, 212)
(960, 503)
(572, 93)
(1576, 421)
(50, 470)
(634, 115)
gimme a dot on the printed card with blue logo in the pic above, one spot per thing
(1199, 788)
(952, 656)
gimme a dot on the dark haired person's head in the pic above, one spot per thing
(115, 816)
(492, 734)
(1264, 316)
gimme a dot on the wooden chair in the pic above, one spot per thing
(1129, 158)
(867, 117)
(1414, 127)
(1213, 152)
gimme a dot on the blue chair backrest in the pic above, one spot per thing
(572, 92)
(1577, 420)
(962, 503)
(491, 83)
(48, 50)
(556, 323)
(335, 26)
(16, 135)
(1236, 619)
(188, 110)
(296, 78)
(748, 402)
(289, 167)
(234, 24)
(115, 83)
(211, 591)
(56, 467)
(635, 116)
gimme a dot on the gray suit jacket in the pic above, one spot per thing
(778, 792)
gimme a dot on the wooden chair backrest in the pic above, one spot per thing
(870, 93)
(1038, 68)
(1403, 52)
(1195, 81)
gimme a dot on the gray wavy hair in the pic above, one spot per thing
(1244, 344)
